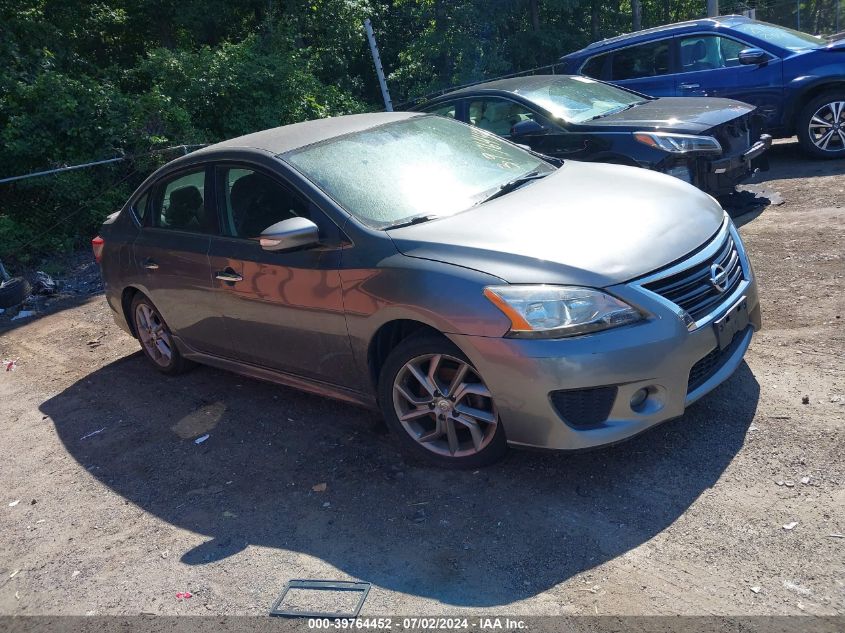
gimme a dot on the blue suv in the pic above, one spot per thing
(796, 80)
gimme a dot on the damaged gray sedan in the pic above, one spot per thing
(480, 295)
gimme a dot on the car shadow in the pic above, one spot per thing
(479, 539)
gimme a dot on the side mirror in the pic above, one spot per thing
(526, 128)
(289, 234)
(753, 56)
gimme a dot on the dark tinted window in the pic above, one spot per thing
(594, 67)
(646, 60)
(254, 202)
(447, 110)
(180, 204)
(140, 208)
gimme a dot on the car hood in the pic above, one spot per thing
(836, 45)
(586, 224)
(691, 115)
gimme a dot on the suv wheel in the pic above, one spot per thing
(821, 126)
(438, 406)
(156, 339)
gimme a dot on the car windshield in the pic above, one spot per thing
(577, 99)
(425, 166)
(780, 36)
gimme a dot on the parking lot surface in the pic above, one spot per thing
(109, 506)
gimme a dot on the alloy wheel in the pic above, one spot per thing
(444, 405)
(827, 127)
(154, 335)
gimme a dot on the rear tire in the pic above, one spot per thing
(821, 126)
(437, 405)
(14, 292)
(156, 338)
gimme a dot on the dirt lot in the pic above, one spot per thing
(119, 509)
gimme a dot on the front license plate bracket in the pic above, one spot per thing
(733, 321)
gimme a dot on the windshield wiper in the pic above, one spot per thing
(616, 111)
(516, 183)
(416, 219)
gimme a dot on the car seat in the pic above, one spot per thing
(185, 206)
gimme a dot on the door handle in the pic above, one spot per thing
(149, 264)
(229, 276)
(689, 86)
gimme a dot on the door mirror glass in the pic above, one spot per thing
(526, 128)
(289, 234)
(751, 56)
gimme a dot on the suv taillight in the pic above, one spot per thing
(97, 245)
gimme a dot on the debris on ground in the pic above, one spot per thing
(14, 573)
(794, 586)
(319, 487)
(23, 314)
(755, 589)
(43, 284)
(184, 595)
(836, 535)
(805, 400)
(14, 503)
(92, 433)
(202, 439)
(10, 365)
(790, 526)
(805, 480)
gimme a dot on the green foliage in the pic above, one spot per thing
(87, 80)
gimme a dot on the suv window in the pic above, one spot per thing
(443, 110)
(180, 205)
(254, 202)
(594, 67)
(498, 115)
(645, 60)
(706, 52)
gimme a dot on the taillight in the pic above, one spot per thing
(97, 245)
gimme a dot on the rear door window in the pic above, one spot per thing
(140, 208)
(181, 204)
(594, 67)
(645, 60)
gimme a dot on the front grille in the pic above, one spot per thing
(692, 288)
(584, 408)
(704, 369)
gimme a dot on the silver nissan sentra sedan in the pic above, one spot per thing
(479, 294)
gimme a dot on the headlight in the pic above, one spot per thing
(558, 311)
(679, 143)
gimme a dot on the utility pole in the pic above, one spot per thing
(798, 14)
(637, 11)
(368, 27)
(712, 8)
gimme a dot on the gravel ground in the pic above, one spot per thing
(108, 506)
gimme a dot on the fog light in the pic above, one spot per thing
(638, 398)
(681, 172)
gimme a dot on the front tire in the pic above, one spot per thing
(156, 339)
(438, 406)
(821, 126)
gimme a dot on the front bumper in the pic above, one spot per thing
(656, 354)
(719, 176)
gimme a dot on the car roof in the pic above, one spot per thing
(666, 29)
(510, 84)
(279, 140)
